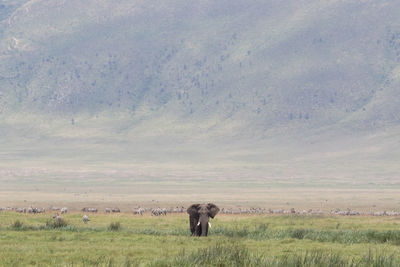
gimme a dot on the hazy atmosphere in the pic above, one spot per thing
(125, 96)
(122, 119)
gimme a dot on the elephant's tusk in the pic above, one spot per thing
(198, 224)
(209, 224)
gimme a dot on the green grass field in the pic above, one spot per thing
(250, 240)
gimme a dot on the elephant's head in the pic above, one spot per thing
(200, 216)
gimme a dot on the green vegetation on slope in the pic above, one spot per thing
(237, 64)
(293, 89)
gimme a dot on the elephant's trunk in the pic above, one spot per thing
(204, 227)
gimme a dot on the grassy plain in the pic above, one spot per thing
(165, 241)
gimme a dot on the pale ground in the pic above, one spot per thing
(299, 198)
(126, 187)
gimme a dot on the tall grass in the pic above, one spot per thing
(114, 226)
(218, 255)
(54, 224)
(238, 255)
(333, 236)
(17, 225)
(232, 242)
(257, 232)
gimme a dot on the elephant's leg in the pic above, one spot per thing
(198, 230)
(193, 229)
(193, 224)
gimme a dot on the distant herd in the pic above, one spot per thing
(164, 211)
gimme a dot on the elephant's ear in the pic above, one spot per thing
(193, 209)
(212, 210)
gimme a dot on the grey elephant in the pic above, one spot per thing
(199, 217)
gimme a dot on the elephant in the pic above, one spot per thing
(199, 217)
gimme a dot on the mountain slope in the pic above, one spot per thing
(212, 74)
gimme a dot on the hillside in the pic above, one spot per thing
(293, 88)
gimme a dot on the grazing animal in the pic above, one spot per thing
(36, 210)
(85, 218)
(138, 211)
(89, 209)
(199, 218)
(108, 210)
(41, 210)
(176, 210)
(57, 217)
(64, 210)
(159, 211)
(156, 212)
(116, 210)
(164, 211)
(21, 210)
